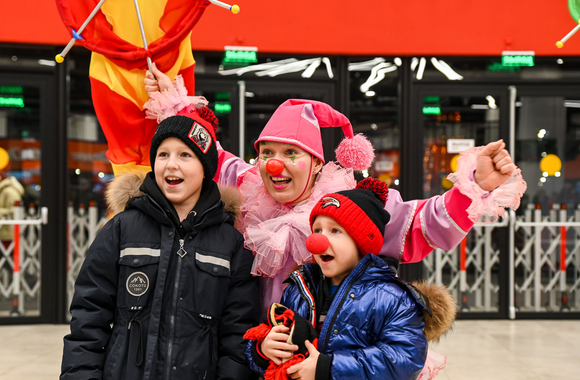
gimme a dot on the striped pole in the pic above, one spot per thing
(463, 274)
(16, 258)
(563, 241)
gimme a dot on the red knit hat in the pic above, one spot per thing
(298, 122)
(360, 212)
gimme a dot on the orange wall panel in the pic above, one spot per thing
(380, 27)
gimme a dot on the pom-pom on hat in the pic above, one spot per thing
(361, 212)
(196, 132)
(298, 122)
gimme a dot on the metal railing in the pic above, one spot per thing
(543, 259)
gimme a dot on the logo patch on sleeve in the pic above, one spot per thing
(201, 137)
(137, 284)
(330, 201)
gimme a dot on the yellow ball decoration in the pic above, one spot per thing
(453, 163)
(551, 164)
(385, 178)
(446, 184)
(559, 44)
(4, 158)
(235, 9)
(59, 58)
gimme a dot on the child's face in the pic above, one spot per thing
(291, 183)
(179, 173)
(342, 255)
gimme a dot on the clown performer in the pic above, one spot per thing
(290, 175)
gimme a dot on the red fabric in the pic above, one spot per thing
(178, 20)
(258, 333)
(127, 130)
(275, 372)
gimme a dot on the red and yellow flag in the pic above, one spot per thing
(119, 62)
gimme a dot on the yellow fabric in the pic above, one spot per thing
(122, 16)
(129, 83)
(129, 167)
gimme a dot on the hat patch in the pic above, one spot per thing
(371, 236)
(137, 284)
(201, 137)
(330, 201)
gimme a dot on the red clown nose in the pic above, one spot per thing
(274, 166)
(317, 244)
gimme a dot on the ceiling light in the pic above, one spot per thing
(421, 68)
(491, 102)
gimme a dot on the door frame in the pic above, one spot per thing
(54, 158)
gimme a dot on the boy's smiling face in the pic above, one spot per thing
(179, 174)
(342, 255)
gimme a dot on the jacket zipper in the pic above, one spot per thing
(308, 280)
(173, 312)
(335, 315)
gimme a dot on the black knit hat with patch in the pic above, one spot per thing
(197, 133)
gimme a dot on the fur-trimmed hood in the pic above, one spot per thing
(126, 186)
(443, 309)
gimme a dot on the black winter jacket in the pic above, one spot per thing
(151, 304)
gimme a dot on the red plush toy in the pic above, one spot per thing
(300, 331)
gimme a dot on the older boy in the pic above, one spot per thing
(165, 291)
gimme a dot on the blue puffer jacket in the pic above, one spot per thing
(374, 327)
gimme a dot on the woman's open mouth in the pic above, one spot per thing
(280, 182)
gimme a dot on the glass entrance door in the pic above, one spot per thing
(25, 120)
(547, 253)
(448, 120)
(529, 266)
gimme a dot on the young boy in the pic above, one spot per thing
(165, 291)
(370, 323)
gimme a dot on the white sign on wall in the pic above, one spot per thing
(459, 145)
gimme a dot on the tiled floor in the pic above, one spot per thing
(476, 350)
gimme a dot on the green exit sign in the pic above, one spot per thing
(240, 57)
(518, 59)
(15, 102)
(222, 108)
(430, 110)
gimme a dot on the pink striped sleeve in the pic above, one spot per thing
(438, 222)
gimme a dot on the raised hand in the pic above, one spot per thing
(494, 166)
(156, 81)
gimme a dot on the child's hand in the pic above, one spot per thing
(161, 83)
(307, 369)
(274, 346)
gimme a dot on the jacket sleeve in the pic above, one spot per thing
(241, 312)
(93, 308)
(399, 349)
(418, 227)
(230, 168)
